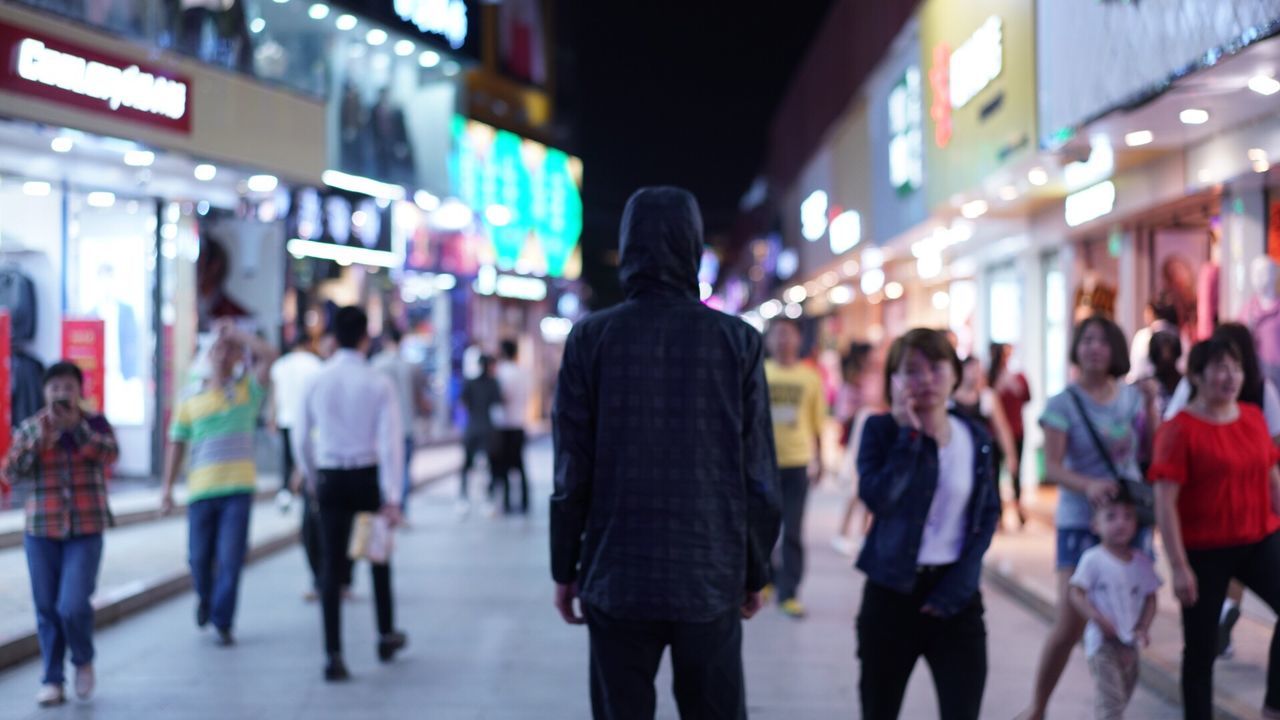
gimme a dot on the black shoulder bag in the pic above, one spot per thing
(1136, 490)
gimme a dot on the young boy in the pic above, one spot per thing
(1114, 586)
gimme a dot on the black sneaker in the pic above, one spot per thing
(336, 670)
(1224, 629)
(225, 638)
(202, 614)
(390, 644)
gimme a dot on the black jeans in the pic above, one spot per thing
(893, 634)
(790, 568)
(311, 542)
(506, 456)
(1258, 567)
(286, 460)
(341, 494)
(706, 660)
(472, 446)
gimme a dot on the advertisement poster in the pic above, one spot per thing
(84, 343)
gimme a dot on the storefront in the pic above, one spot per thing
(116, 167)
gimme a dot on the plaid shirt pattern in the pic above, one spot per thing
(69, 497)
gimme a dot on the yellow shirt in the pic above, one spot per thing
(799, 409)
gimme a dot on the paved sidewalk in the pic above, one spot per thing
(151, 557)
(474, 594)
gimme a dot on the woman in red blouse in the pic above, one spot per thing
(1218, 508)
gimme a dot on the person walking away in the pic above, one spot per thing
(799, 411)
(666, 495)
(511, 427)
(1014, 393)
(289, 375)
(482, 399)
(1123, 417)
(1166, 353)
(852, 410)
(1114, 588)
(927, 474)
(1258, 391)
(391, 363)
(64, 453)
(1218, 509)
(350, 449)
(974, 398)
(1157, 318)
(214, 426)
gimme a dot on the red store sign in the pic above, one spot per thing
(70, 74)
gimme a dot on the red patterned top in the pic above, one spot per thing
(69, 497)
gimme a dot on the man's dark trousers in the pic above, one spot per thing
(706, 660)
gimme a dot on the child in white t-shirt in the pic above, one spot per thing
(1114, 586)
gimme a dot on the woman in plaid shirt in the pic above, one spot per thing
(64, 453)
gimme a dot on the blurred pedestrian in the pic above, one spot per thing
(214, 425)
(350, 448)
(1098, 410)
(482, 399)
(927, 475)
(1258, 391)
(1157, 318)
(289, 376)
(1166, 354)
(1218, 507)
(799, 411)
(508, 456)
(1114, 588)
(1014, 393)
(391, 363)
(852, 410)
(64, 452)
(978, 401)
(666, 496)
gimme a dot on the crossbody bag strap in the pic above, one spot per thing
(1093, 433)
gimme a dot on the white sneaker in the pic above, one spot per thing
(50, 695)
(284, 500)
(84, 681)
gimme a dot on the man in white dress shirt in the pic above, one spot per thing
(511, 431)
(350, 449)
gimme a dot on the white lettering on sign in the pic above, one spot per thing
(119, 87)
(846, 231)
(441, 17)
(813, 216)
(1090, 203)
(977, 62)
(906, 144)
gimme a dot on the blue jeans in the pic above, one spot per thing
(64, 574)
(408, 479)
(218, 541)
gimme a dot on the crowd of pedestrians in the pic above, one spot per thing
(686, 444)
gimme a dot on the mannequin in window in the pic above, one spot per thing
(1178, 289)
(1207, 289)
(1262, 315)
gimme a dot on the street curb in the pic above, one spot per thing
(1162, 678)
(142, 596)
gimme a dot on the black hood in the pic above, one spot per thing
(661, 243)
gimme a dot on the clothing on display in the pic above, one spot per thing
(1095, 297)
(18, 296)
(1262, 316)
(1207, 310)
(26, 391)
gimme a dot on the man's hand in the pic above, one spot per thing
(166, 502)
(751, 604)
(392, 514)
(1142, 637)
(565, 595)
(1108, 629)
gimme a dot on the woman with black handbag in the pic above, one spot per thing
(1094, 432)
(1218, 503)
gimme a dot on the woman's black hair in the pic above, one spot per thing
(998, 362)
(1207, 352)
(62, 369)
(1115, 339)
(1253, 389)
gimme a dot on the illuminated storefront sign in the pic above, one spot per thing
(846, 231)
(977, 62)
(69, 74)
(440, 17)
(906, 143)
(1090, 203)
(813, 216)
(527, 195)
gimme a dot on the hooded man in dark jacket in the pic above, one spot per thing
(666, 502)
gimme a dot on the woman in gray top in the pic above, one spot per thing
(1125, 418)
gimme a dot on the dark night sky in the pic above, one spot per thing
(676, 93)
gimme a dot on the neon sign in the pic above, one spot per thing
(906, 143)
(977, 62)
(813, 216)
(118, 87)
